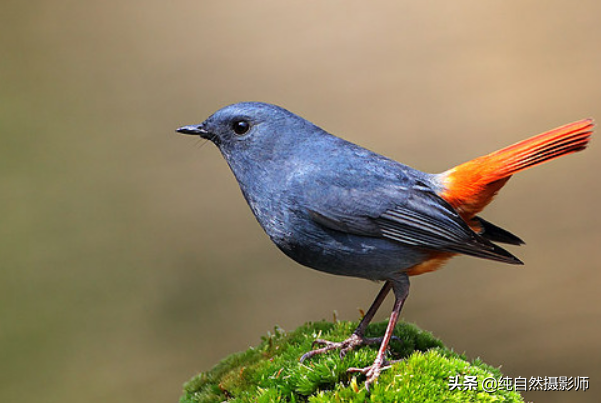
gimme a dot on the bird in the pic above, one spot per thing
(339, 208)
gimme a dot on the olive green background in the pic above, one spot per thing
(128, 258)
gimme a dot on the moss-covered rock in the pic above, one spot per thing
(271, 372)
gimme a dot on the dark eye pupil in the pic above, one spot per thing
(241, 126)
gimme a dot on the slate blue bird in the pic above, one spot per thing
(339, 208)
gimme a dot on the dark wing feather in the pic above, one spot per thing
(417, 217)
(428, 221)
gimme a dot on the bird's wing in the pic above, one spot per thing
(413, 215)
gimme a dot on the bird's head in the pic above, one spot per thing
(251, 127)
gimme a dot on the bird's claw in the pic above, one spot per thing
(344, 346)
(373, 371)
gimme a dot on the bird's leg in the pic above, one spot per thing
(401, 290)
(357, 338)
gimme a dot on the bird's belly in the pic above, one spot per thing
(352, 255)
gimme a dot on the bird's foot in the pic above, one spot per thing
(373, 371)
(344, 346)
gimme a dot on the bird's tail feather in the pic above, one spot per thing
(469, 187)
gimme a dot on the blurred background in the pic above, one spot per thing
(129, 260)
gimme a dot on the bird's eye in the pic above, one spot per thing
(241, 127)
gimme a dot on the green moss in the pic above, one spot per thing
(271, 372)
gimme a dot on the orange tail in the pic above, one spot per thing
(469, 187)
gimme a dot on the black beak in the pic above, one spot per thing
(194, 130)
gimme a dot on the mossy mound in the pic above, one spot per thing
(271, 372)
